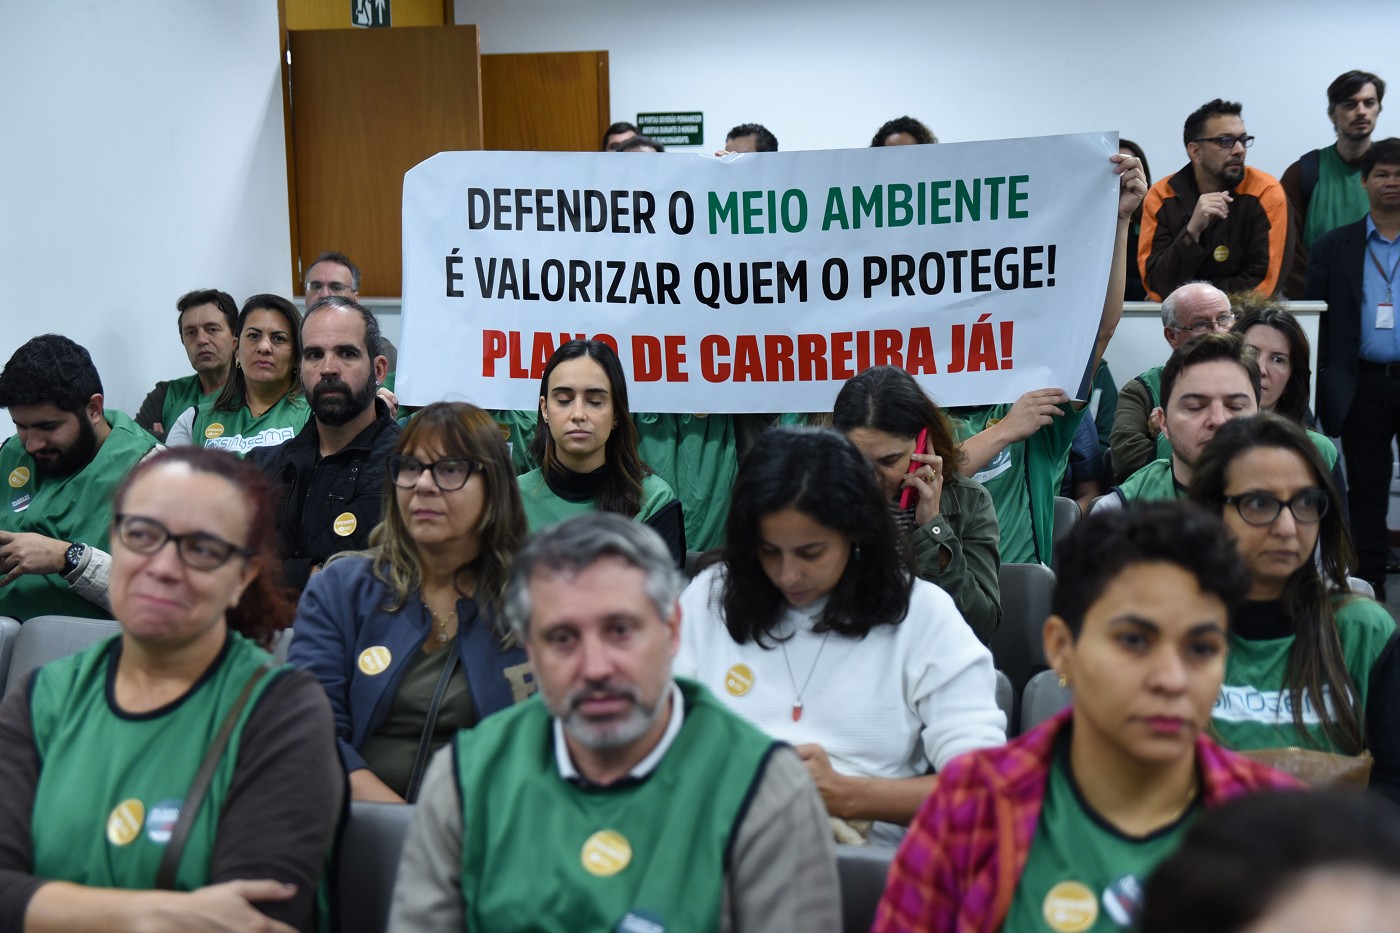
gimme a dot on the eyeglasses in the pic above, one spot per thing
(449, 473)
(1227, 142)
(335, 288)
(197, 550)
(1224, 322)
(1260, 508)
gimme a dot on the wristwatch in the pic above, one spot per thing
(72, 558)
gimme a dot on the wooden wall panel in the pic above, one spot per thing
(545, 101)
(368, 105)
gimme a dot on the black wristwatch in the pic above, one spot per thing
(72, 558)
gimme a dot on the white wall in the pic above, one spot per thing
(141, 156)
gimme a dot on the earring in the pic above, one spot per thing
(1064, 681)
(855, 555)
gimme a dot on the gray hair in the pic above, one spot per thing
(1183, 292)
(579, 542)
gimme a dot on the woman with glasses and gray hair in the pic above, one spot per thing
(408, 638)
(1312, 666)
(173, 776)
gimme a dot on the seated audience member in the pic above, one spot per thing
(408, 639)
(1207, 381)
(816, 630)
(637, 800)
(903, 131)
(331, 476)
(1193, 309)
(697, 455)
(1086, 473)
(1286, 862)
(261, 404)
(208, 320)
(1311, 665)
(586, 445)
(617, 134)
(103, 749)
(1064, 823)
(1132, 287)
(1216, 220)
(949, 518)
(641, 144)
(750, 137)
(1019, 451)
(334, 275)
(63, 464)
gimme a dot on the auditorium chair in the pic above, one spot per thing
(1067, 515)
(862, 870)
(9, 631)
(1042, 698)
(367, 864)
(1016, 644)
(47, 638)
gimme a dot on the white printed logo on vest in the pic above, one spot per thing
(738, 680)
(161, 820)
(375, 660)
(125, 822)
(606, 852)
(999, 465)
(1122, 900)
(1070, 907)
(20, 503)
(1268, 707)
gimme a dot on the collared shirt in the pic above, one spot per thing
(1379, 346)
(642, 769)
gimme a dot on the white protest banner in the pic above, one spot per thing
(759, 282)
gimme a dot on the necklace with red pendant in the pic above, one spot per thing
(797, 694)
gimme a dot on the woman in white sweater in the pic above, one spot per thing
(816, 629)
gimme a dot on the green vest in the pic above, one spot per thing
(75, 508)
(698, 457)
(239, 432)
(540, 853)
(543, 507)
(1323, 444)
(111, 785)
(1153, 483)
(1255, 708)
(180, 396)
(518, 428)
(1337, 198)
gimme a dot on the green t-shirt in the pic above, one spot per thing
(698, 457)
(1024, 479)
(543, 507)
(181, 395)
(239, 432)
(1337, 198)
(518, 428)
(1153, 483)
(1082, 873)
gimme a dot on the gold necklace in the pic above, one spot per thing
(442, 620)
(1190, 796)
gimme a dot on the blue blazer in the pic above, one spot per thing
(360, 651)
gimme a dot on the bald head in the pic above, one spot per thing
(1191, 305)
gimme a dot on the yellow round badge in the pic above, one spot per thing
(1222, 253)
(19, 476)
(344, 524)
(375, 660)
(738, 680)
(1070, 907)
(214, 430)
(125, 822)
(606, 852)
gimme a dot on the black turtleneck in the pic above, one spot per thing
(1261, 619)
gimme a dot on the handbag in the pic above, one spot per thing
(1315, 768)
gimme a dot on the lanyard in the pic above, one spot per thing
(1381, 269)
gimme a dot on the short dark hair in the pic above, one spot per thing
(1196, 123)
(234, 394)
(1109, 541)
(906, 124)
(1348, 84)
(340, 259)
(886, 398)
(50, 368)
(821, 474)
(1382, 152)
(1293, 403)
(1136, 150)
(208, 296)
(641, 142)
(622, 126)
(763, 139)
(374, 338)
(1208, 348)
(1240, 859)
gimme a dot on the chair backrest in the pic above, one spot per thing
(1042, 698)
(9, 631)
(367, 864)
(1016, 644)
(47, 638)
(862, 870)
(1067, 515)
(1006, 700)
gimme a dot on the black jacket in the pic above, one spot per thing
(1334, 276)
(329, 504)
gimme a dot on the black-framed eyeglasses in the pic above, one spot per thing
(197, 549)
(335, 288)
(449, 473)
(1260, 508)
(1227, 142)
(1224, 322)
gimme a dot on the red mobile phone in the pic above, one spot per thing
(906, 498)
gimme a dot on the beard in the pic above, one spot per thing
(609, 734)
(53, 463)
(335, 404)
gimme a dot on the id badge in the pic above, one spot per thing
(1385, 316)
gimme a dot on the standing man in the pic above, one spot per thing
(1323, 186)
(750, 137)
(332, 474)
(1215, 220)
(208, 321)
(1353, 268)
(617, 134)
(61, 470)
(619, 798)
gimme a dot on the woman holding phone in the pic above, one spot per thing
(948, 517)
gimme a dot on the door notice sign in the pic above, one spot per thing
(371, 14)
(674, 128)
